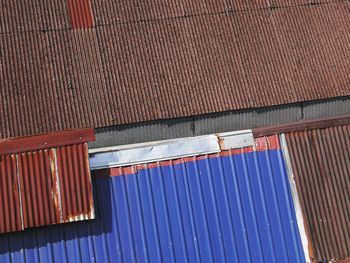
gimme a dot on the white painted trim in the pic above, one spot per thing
(125, 155)
(296, 201)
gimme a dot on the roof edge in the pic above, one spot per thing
(302, 125)
(47, 140)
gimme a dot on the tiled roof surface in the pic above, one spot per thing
(154, 59)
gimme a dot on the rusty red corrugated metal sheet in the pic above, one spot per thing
(321, 165)
(10, 213)
(80, 13)
(151, 60)
(46, 184)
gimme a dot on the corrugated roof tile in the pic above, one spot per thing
(158, 62)
(320, 161)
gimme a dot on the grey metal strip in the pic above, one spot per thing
(169, 149)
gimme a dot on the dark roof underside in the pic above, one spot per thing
(153, 59)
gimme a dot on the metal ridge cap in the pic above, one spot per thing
(168, 149)
(302, 125)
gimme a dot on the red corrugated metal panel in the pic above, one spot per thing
(321, 167)
(37, 188)
(75, 182)
(169, 65)
(10, 215)
(56, 139)
(45, 186)
(80, 13)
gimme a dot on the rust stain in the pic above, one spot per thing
(261, 144)
(43, 187)
(10, 218)
(320, 161)
(221, 141)
(55, 188)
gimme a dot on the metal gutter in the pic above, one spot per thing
(170, 149)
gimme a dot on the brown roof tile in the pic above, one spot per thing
(18, 15)
(157, 61)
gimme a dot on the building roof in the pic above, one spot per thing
(146, 60)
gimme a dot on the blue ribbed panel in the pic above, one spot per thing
(235, 208)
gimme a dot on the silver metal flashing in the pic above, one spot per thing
(296, 201)
(126, 155)
(236, 139)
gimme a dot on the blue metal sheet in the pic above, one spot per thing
(233, 208)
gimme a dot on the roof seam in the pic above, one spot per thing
(140, 21)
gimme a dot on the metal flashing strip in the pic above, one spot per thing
(170, 149)
(296, 201)
(236, 139)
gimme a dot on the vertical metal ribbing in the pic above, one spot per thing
(296, 201)
(320, 161)
(19, 191)
(57, 184)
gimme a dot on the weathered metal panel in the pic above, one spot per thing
(75, 182)
(184, 61)
(37, 188)
(233, 206)
(10, 215)
(18, 16)
(321, 165)
(45, 185)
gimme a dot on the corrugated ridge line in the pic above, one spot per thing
(326, 150)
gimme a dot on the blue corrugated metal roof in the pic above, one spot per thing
(234, 208)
